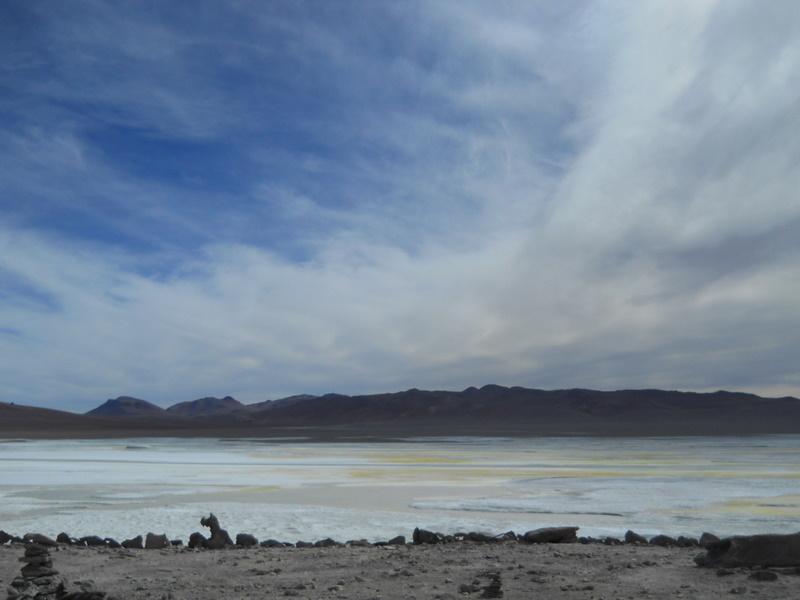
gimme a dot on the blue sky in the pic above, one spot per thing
(262, 199)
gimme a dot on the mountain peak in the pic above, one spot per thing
(204, 407)
(126, 406)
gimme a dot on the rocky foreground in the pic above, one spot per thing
(542, 563)
(440, 572)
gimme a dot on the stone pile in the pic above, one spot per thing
(39, 580)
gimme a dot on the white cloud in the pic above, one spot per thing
(574, 209)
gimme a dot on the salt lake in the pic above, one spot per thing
(295, 489)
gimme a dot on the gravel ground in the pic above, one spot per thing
(461, 570)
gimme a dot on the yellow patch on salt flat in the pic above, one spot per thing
(417, 459)
(445, 475)
(787, 505)
(256, 489)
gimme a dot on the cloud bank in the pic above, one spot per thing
(302, 197)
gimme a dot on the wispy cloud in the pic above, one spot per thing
(267, 199)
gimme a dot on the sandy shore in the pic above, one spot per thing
(461, 570)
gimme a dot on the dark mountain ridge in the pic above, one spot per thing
(208, 406)
(490, 410)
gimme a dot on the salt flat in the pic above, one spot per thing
(291, 489)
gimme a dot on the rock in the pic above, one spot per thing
(156, 542)
(5, 537)
(763, 576)
(112, 543)
(36, 550)
(474, 536)
(38, 538)
(197, 540)
(63, 538)
(39, 580)
(768, 550)
(245, 540)
(176, 543)
(686, 542)
(271, 544)
(423, 536)
(663, 540)
(494, 589)
(219, 537)
(42, 559)
(36, 571)
(326, 543)
(612, 541)
(92, 540)
(136, 543)
(508, 536)
(708, 539)
(400, 540)
(301, 544)
(357, 543)
(551, 535)
(631, 537)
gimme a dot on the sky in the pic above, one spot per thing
(270, 198)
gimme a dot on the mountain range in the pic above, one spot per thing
(489, 410)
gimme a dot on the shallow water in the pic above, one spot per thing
(293, 490)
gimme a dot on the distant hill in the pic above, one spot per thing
(531, 411)
(205, 407)
(126, 406)
(492, 410)
(18, 418)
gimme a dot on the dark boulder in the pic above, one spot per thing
(38, 538)
(631, 537)
(112, 543)
(63, 538)
(551, 535)
(663, 540)
(5, 537)
(136, 543)
(326, 543)
(708, 539)
(197, 540)
(400, 540)
(612, 541)
(687, 542)
(357, 543)
(423, 536)
(219, 537)
(155, 542)
(245, 540)
(767, 550)
(508, 536)
(176, 543)
(475, 536)
(301, 544)
(271, 544)
(92, 540)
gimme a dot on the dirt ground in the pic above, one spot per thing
(453, 571)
